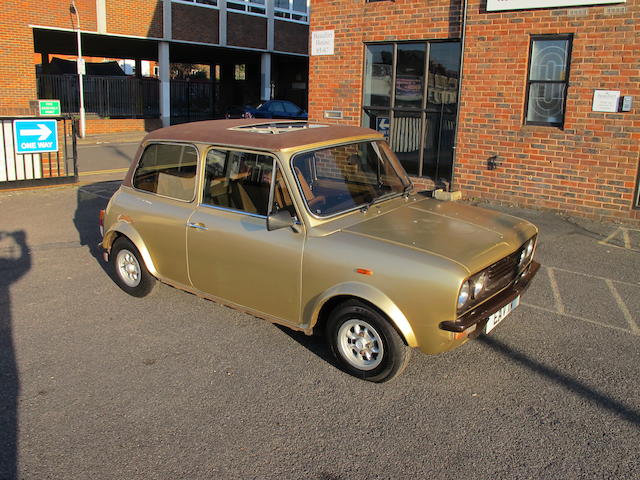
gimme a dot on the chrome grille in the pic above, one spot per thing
(503, 271)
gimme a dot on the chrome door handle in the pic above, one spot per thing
(198, 226)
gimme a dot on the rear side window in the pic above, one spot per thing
(168, 170)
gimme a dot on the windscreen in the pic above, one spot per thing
(344, 177)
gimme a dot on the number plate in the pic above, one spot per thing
(497, 317)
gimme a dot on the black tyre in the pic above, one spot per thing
(130, 272)
(365, 343)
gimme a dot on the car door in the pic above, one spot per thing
(163, 199)
(231, 253)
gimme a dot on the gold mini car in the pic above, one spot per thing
(315, 227)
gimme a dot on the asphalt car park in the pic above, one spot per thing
(97, 384)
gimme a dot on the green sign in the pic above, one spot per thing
(49, 107)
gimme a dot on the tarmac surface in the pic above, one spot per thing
(97, 384)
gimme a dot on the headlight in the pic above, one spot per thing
(527, 250)
(479, 283)
(463, 297)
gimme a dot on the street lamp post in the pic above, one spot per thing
(80, 63)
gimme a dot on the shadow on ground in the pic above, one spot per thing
(601, 400)
(90, 200)
(316, 344)
(15, 261)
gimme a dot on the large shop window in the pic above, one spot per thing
(411, 96)
(548, 80)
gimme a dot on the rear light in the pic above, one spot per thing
(101, 223)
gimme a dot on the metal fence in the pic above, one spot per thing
(130, 97)
(116, 97)
(32, 169)
(192, 100)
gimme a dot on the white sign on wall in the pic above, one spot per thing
(322, 42)
(606, 101)
(499, 5)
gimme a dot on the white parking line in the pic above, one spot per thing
(583, 319)
(556, 290)
(626, 239)
(596, 276)
(623, 307)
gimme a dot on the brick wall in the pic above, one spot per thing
(246, 30)
(17, 70)
(97, 126)
(588, 168)
(194, 23)
(291, 37)
(142, 18)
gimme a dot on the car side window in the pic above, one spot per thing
(276, 107)
(290, 107)
(281, 197)
(238, 180)
(168, 170)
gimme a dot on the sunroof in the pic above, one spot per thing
(276, 127)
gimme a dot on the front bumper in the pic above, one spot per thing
(479, 315)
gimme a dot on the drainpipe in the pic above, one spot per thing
(455, 135)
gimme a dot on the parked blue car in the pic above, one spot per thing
(269, 109)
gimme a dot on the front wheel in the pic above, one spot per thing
(131, 273)
(365, 343)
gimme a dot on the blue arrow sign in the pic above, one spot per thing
(382, 125)
(35, 136)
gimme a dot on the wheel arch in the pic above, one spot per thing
(370, 296)
(124, 229)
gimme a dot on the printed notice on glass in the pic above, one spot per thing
(322, 42)
(606, 101)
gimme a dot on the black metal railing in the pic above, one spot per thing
(192, 100)
(130, 97)
(119, 97)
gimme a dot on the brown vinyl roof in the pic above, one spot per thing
(220, 132)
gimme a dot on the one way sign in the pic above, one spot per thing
(35, 136)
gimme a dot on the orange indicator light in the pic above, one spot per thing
(365, 271)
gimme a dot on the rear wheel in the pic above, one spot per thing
(130, 271)
(365, 343)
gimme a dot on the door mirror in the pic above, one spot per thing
(280, 219)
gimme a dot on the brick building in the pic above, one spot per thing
(255, 49)
(539, 118)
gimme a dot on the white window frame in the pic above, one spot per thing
(198, 3)
(248, 7)
(288, 13)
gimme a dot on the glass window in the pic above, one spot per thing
(252, 6)
(548, 80)
(168, 170)
(292, 9)
(281, 197)
(410, 75)
(637, 203)
(378, 75)
(405, 139)
(420, 130)
(276, 107)
(240, 72)
(238, 180)
(290, 107)
(336, 179)
(212, 3)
